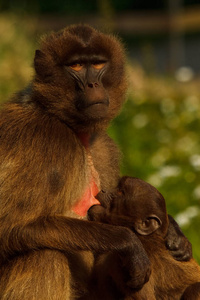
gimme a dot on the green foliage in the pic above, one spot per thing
(16, 54)
(157, 131)
(160, 142)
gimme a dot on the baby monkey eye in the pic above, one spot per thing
(76, 67)
(98, 65)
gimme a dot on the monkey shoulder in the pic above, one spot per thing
(26, 129)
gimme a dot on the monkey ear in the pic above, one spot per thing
(39, 56)
(41, 63)
(39, 53)
(148, 226)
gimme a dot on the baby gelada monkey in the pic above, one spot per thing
(141, 207)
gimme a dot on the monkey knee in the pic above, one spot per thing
(41, 275)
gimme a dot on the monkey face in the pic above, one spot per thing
(91, 99)
(80, 77)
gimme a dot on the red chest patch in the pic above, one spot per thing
(87, 200)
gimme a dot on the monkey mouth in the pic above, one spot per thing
(83, 105)
(98, 103)
(97, 110)
(93, 109)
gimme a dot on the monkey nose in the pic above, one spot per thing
(93, 85)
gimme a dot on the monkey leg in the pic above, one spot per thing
(192, 292)
(39, 275)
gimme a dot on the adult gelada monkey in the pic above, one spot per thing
(54, 158)
(140, 207)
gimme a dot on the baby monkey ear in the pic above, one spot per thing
(148, 226)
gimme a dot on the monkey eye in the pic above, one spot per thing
(98, 65)
(76, 67)
(120, 193)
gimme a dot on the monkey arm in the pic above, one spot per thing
(65, 234)
(68, 235)
(98, 213)
(176, 242)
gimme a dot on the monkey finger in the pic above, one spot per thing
(181, 255)
(138, 278)
(176, 242)
(96, 213)
(180, 249)
(138, 282)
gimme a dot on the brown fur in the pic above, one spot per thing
(140, 207)
(49, 152)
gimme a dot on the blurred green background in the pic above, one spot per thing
(158, 128)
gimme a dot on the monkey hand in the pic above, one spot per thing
(101, 213)
(97, 213)
(176, 242)
(105, 198)
(136, 268)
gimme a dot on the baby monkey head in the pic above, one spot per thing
(135, 204)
